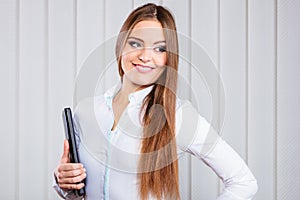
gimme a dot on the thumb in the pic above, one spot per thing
(65, 156)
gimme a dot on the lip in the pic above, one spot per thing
(143, 68)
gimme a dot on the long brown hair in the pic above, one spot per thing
(158, 165)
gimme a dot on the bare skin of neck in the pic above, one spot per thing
(121, 101)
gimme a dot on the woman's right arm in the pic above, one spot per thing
(67, 175)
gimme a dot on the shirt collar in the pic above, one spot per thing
(134, 97)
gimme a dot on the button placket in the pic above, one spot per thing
(107, 170)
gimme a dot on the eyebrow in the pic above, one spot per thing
(157, 42)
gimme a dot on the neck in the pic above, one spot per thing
(127, 88)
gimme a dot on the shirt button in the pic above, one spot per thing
(131, 97)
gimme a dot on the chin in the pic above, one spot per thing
(143, 84)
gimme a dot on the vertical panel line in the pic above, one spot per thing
(17, 101)
(104, 39)
(190, 45)
(189, 164)
(75, 53)
(46, 96)
(276, 97)
(247, 82)
(219, 71)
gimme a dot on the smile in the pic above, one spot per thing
(143, 68)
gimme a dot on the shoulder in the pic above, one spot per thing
(93, 116)
(191, 127)
(90, 110)
(186, 110)
(88, 104)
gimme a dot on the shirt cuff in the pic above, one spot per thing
(63, 193)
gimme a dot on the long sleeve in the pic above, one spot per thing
(198, 137)
(229, 166)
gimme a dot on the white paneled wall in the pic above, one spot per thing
(33, 99)
(9, 143)
(61, 74)
(254, 44)
(261, 94)
(287, 101)
(204, 183)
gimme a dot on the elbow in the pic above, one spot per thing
(252, 188)
(245, 190)
(242, 190)
(250, 185)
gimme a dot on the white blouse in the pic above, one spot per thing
(111, 157)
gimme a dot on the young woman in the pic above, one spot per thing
(120, 162)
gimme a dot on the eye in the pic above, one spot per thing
(160, 49)
(134, 44)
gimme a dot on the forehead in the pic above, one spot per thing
(148, 30)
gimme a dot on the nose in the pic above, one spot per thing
(145, 54)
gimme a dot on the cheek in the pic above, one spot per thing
(126, 62)
(161, 60)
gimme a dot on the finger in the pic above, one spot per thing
(73, 173)
(72, 186)
(76, 179)
(65, 156)
(70, 167)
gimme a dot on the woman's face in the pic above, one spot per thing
(144, 55)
